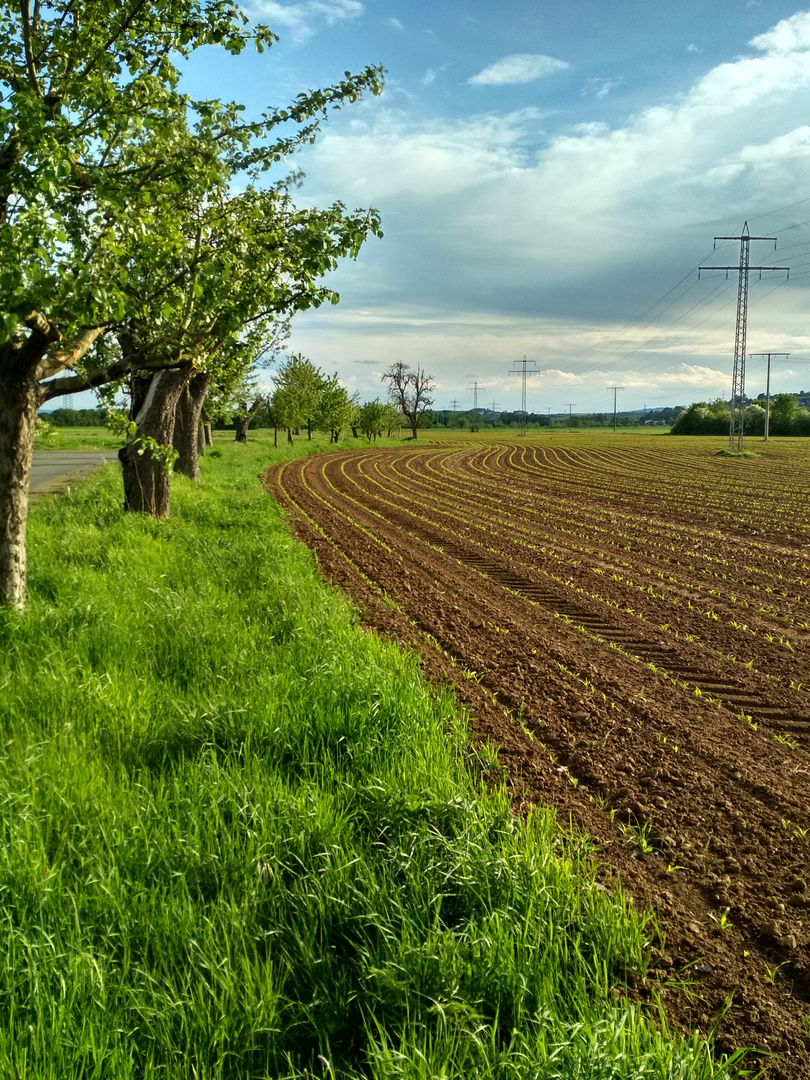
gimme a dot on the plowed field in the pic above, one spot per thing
(628, 620)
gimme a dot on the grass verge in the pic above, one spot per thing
(239, 836)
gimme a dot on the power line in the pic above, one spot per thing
(790, 206)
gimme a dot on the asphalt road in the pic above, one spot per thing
(53, 470)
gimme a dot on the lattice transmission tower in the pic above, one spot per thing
(523, 371)
(475, 387)
(736, 429)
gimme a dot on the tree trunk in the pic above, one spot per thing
(187, 426)
(275, 436)
(354, 432)
(19, 402)
(147, 483)
(289, 435)
(21, 362)
(201, 439)
(244, 418)
(208, 431)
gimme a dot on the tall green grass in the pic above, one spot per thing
(240, 838)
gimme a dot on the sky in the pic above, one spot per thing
(550, 177)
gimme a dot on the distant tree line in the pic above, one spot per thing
(787, 417)
(304, 398)
(476, 420)
(75, 417)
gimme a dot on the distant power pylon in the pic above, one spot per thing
(494, 406)
(737, 423)
(475, 387)
(614, 389)
(523, 372)
(768, 387)
(454, 405)
(569, 405)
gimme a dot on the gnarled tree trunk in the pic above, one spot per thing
(244, 417)
(147, 483)
(186, 438)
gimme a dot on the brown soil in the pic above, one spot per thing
(631, 627)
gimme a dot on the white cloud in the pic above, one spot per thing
(305, 18)
(429, 77)
(518, 68)
(394, 23)
(693, 48)
(788, 36)
(503, 240)
(600, 88)
(793, 144)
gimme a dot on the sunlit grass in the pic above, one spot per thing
(239, 836)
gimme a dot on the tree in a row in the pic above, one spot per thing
(304, 397)
(125, 252)
(376, 418)
(410, 391)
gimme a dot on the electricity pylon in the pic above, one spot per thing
(475, 387)
(737, 422)
(522, 371)
(569, 405)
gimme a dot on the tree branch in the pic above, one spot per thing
(73, 384)
(29, 55)
(68, 358)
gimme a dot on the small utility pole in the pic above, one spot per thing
(569, 405)
(523, 372)
(736, 425)
(768, 386)
(614, 389)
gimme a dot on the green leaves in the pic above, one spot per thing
(116, 202)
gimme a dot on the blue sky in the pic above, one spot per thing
(550, 176)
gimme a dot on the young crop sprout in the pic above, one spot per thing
(722, 920)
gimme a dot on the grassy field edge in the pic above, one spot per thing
(241, 838)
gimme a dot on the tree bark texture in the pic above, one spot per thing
(147, 485)
(20, 398)
(19, 402)
(187, 426)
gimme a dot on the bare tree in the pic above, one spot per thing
(411, 391)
